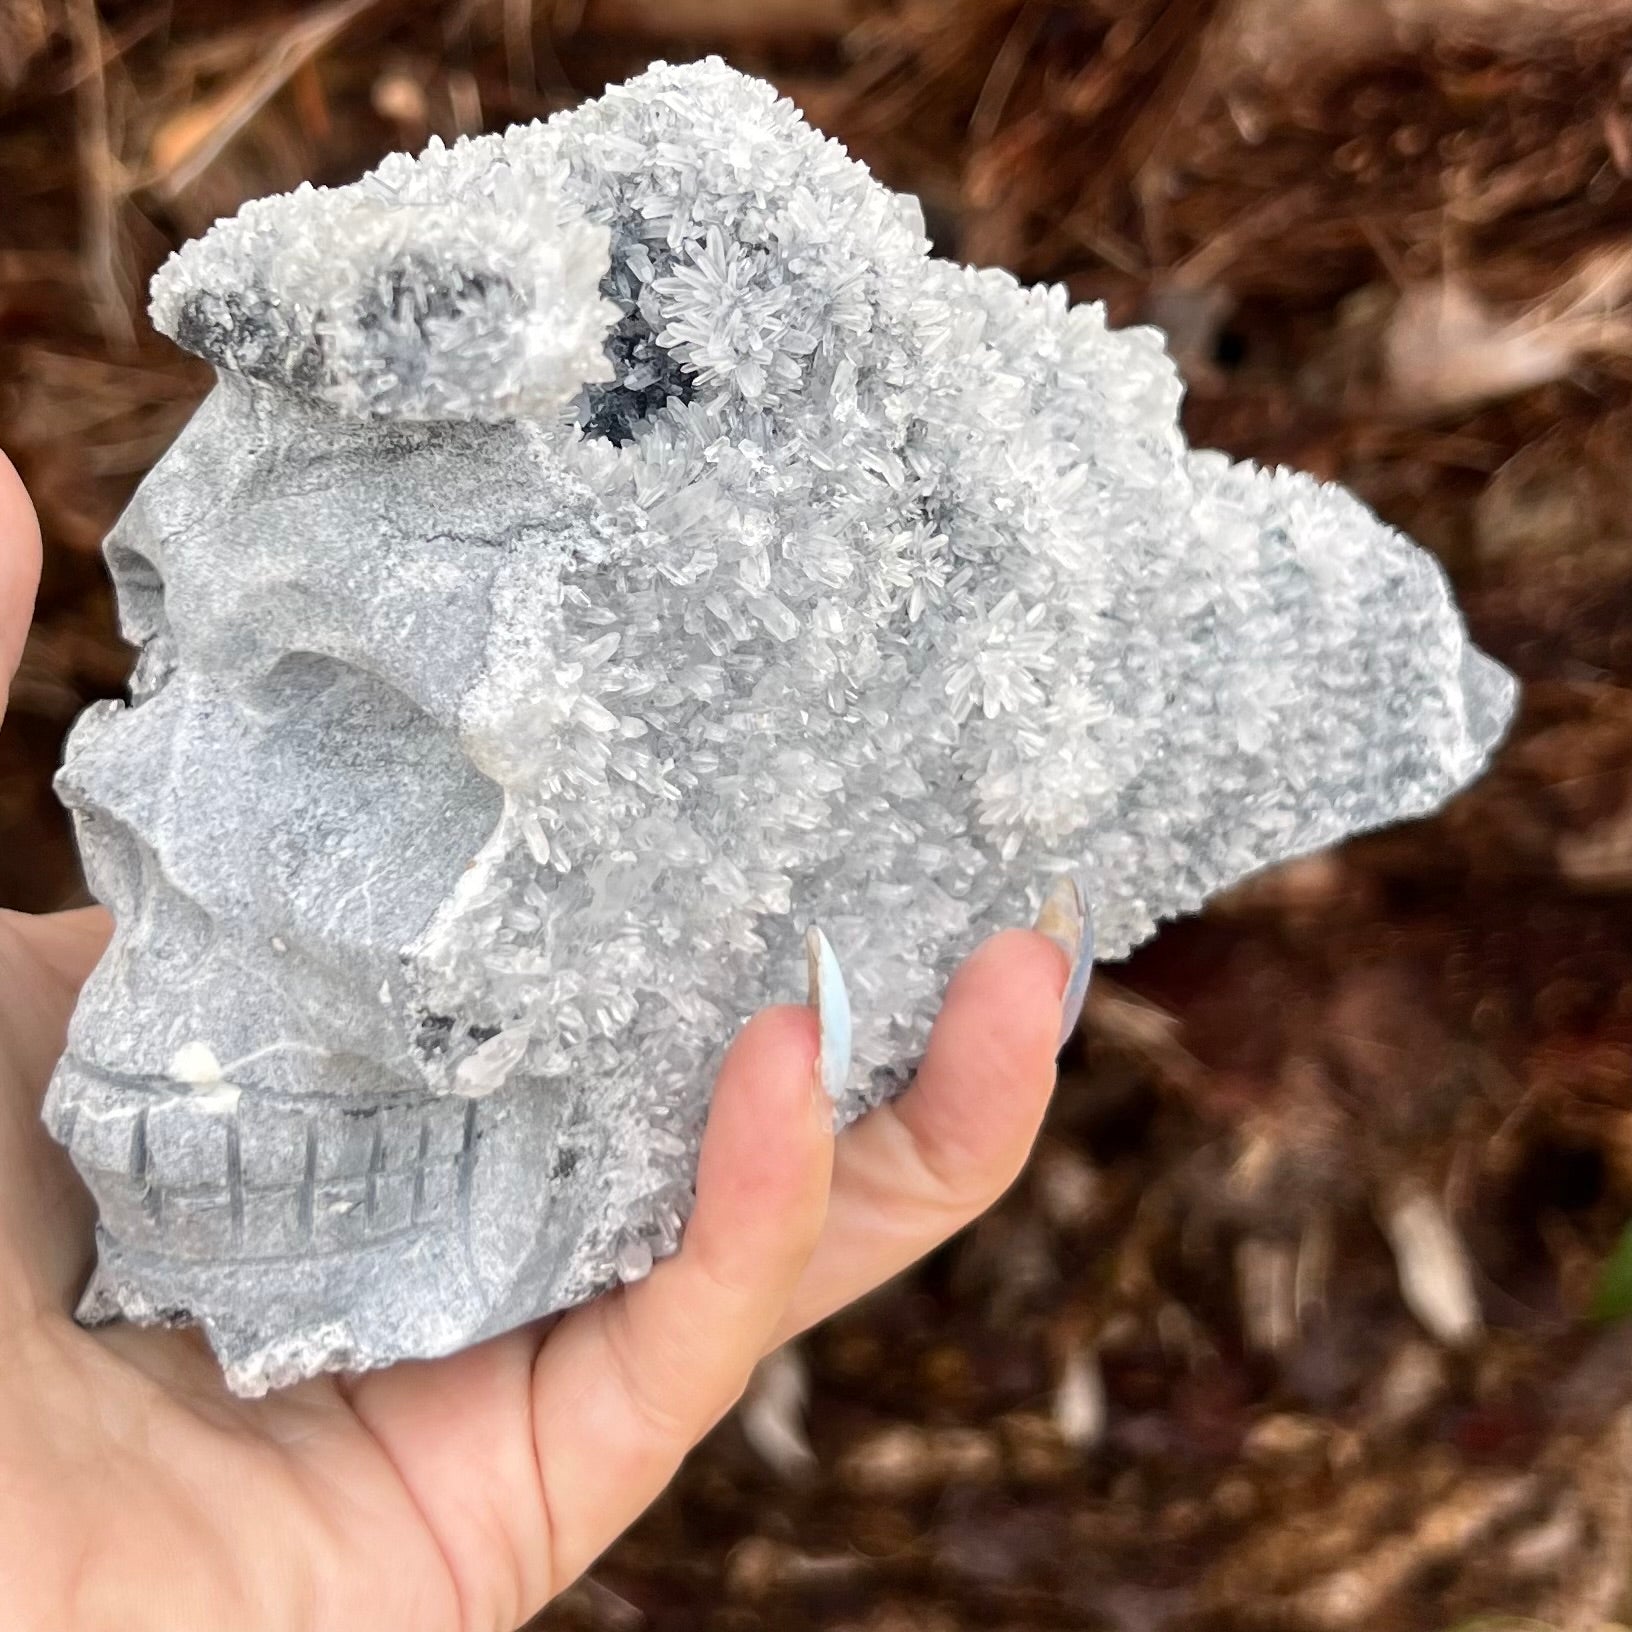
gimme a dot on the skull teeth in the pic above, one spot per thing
(177, 1174)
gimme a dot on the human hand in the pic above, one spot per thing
(454, 1495)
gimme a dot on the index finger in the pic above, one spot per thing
(910, 1173)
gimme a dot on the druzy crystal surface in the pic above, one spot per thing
(611, 547)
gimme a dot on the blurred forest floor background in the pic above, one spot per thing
(1291, 1323)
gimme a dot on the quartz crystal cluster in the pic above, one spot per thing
(611, 547)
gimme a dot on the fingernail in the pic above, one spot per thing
(1064, 920)
(832, 1005)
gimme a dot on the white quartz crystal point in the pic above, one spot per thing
(612, 547)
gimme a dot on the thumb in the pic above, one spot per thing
(19, 571)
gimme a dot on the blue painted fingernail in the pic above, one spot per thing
(832, 1005)
(1065, 921)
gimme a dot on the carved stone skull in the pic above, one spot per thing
(609, 548)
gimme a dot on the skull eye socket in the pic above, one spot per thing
(353, 690)
(377, 804)
(139, 588)
(299, 678)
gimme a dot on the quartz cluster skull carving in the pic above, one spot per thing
(609, 548)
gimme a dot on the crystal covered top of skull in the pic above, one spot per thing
(611, 547)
